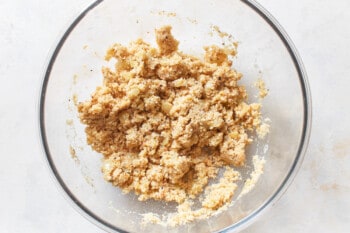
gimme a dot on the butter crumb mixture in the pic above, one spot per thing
(260, 84)
(166, 121)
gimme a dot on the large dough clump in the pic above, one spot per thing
(166, 121)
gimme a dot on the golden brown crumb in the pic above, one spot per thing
(75, 99)
(165, 40)
(219, 32)
(260, 84)
(74, 154)
(166, 122)
(168, 14)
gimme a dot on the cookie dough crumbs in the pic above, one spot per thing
(69, 122)
(73, 154)
(165, 13)
(150, 218)
(249, 184)
(193, 21)
(260, 84)
(217, 198)
(227, 40)
(263, 130)
(75, 99)
(219, 32)
(221, 193)
(166, 122)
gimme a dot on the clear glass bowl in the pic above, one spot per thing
(74, 71)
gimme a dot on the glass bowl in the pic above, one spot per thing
(74, 70)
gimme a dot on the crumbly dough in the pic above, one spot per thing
(260, 84)
(217, 198)
(249, 184)
(166, 121)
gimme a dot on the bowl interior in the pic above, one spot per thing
(75, 71)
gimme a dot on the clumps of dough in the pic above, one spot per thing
(166, 121)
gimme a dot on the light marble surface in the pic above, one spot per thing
(317, 201)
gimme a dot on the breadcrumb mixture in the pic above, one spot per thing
(249, 184)
(166, 122)
(260, 84)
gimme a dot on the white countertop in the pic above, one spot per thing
(317, 201)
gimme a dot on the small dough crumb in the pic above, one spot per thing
(263, 130)
(73, 154)
(260, 84)
(164, 13)
(219, 32)
(150, 218)
(75, 99)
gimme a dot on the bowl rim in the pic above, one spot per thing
(246, 221)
